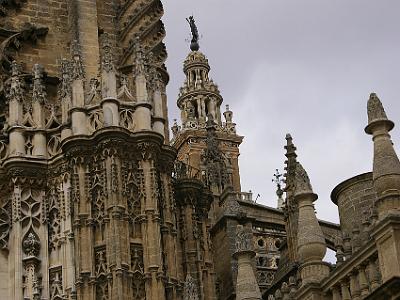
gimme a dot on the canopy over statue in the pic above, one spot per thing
(194, 44)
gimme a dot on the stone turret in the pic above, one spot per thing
(246, 285)
(311, 245)
(386, 166)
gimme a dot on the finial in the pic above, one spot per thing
(15, 69)
(376, 113)
(302, 181)
(194, 44)
(16, 91)
(65, 84)
(227, 107)
(290, 147)
(39, 93)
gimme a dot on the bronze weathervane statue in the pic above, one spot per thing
(194, 44)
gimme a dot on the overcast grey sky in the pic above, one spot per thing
(305, 67)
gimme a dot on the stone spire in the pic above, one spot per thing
(246, 284)
(291, 208)
(311, 246)
(386, 165)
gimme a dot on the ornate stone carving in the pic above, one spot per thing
(244, 238)
(126, 119)
(232, 207)
(54, 227)
(31, 244)
(107, 59)
(124, 93)
(39, 92)
(54, 145)
(302, 181)
(94, 93)
(101, 271)
(213, 159)
(137, 267)
(96, 120)
(16, 90)
(55, 281)
(139, 58)
(65, 90)
(77, 65)
(5, 226)
(97, 192)
(190, 290)
(375, 109)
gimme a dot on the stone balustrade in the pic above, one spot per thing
(355, 278)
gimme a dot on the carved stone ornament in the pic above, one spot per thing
(302, 181)
(31, 244)
(77, 65)
(107, 59)
(39, 93)
(5, 226)
(16, 90)
(244, 238)
(65, 90)
(190, 290)
(232, 207)
(375, 109)
(139, 60)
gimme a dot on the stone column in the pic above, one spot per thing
(108, 83)
(78, 114)
(142, 113)
(159, 121)
(38, 114)
(16, 98)
(65, 96)
(246, 285)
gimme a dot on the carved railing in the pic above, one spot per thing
(356, 277)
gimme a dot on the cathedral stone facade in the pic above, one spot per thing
(99, 202)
